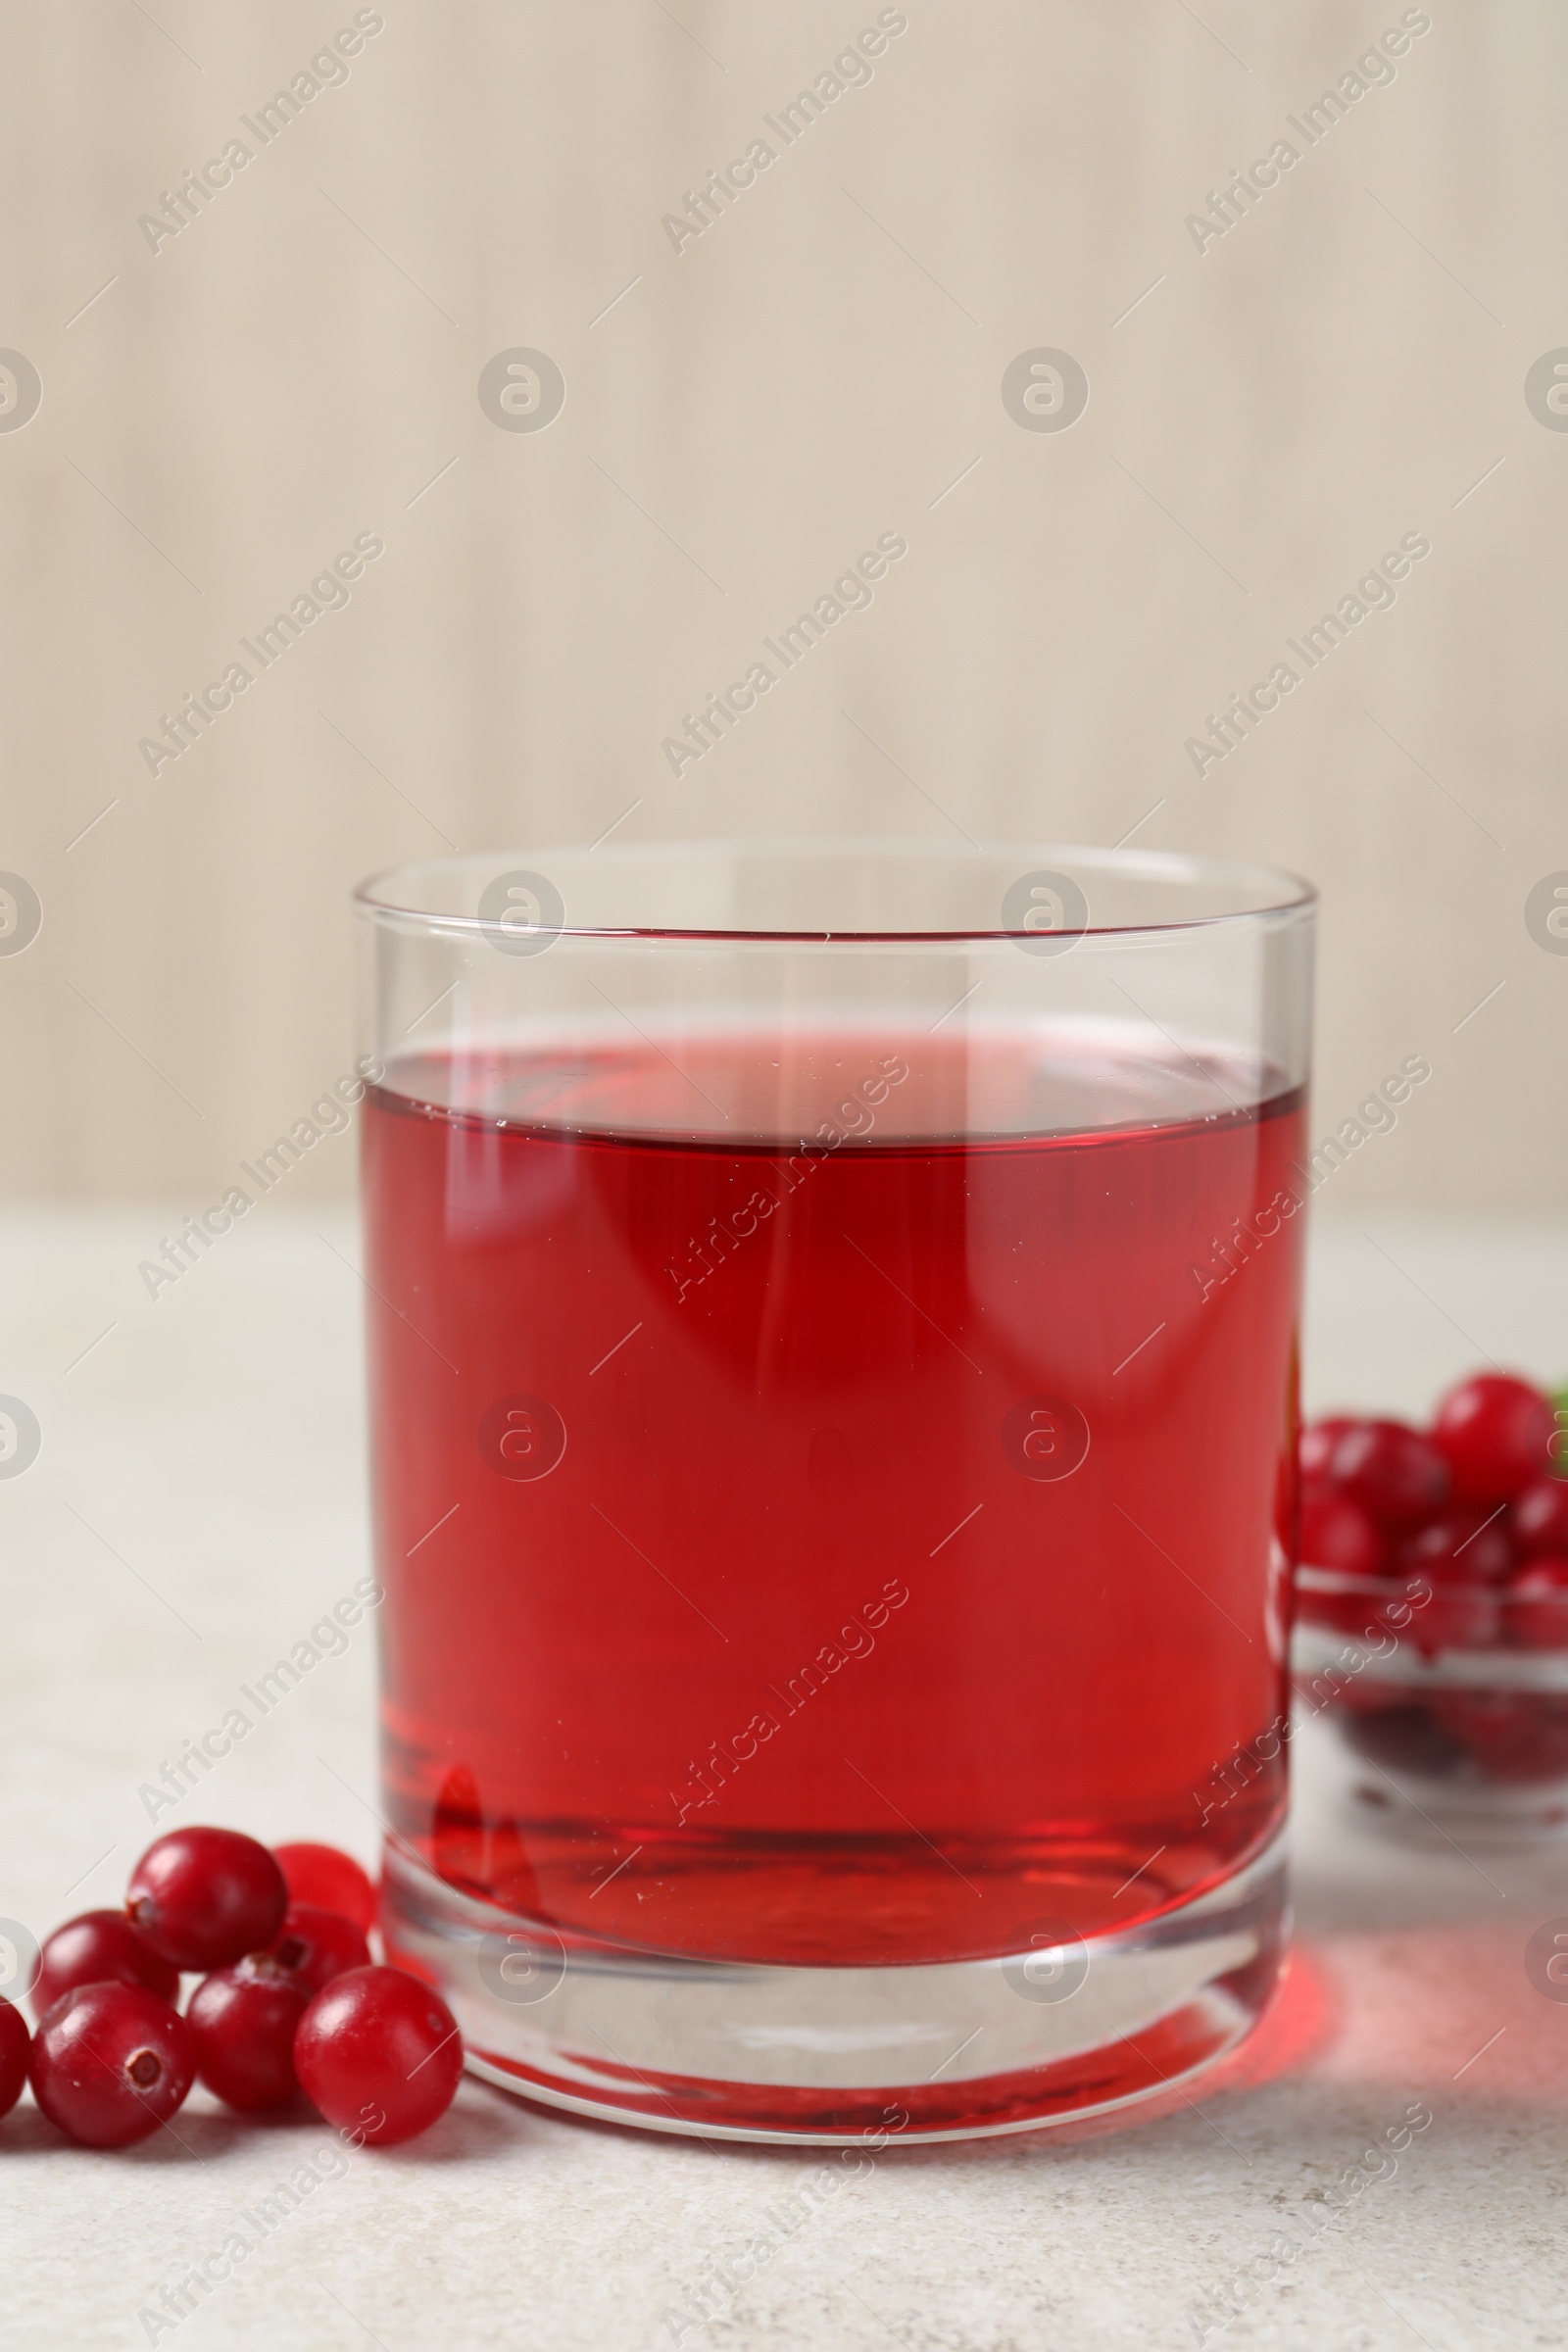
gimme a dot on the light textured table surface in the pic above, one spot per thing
(199, 1503)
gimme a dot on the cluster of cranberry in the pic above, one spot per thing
(1455, 1537)
(289, 2000)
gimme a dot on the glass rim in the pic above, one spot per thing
(390, 896)
(1335, 1583)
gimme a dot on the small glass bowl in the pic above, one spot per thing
(1452, 1704)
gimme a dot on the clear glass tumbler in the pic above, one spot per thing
(833, 1342)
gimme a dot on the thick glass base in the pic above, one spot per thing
(732, 2050)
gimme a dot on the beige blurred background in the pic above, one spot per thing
(301, 363)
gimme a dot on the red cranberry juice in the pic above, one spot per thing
(834, 1501)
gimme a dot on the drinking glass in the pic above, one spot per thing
(833, 1373)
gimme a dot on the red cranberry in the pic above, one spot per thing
(378, 2052)
(1337, 1535)
(1363, 1614)
(1451, 1602)
(1463, 1620)
(111, 2063)
(1362, 1694)
(1538, 1519)
(1447, 1572)
(1340, 1535)
(318, 1944)
(1403, 1737)
(328, 1880)
(1461, 1547)
(13, 2047)
(101, 1947)
(1392, 1471)
(1316, 1451)
(1514, 1735)
(1478, 1718)
(1535, 1606)
(1496, 1434)
(204, 1898)
(243, 2021)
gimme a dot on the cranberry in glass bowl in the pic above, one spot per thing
(1433, 1641)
